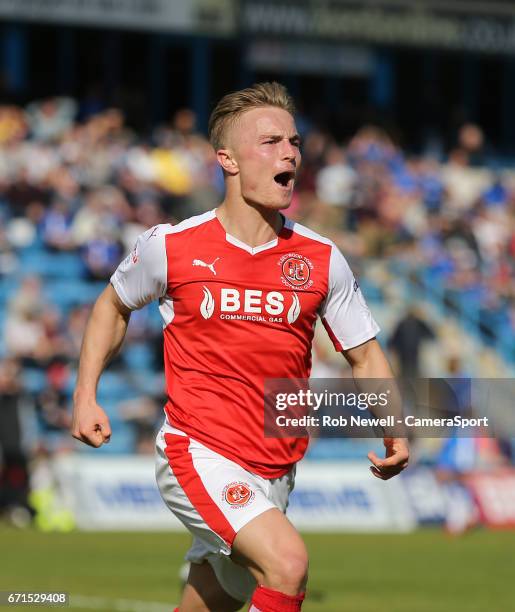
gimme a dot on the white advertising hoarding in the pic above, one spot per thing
(114, 493)
(120, 493)
(347, 497)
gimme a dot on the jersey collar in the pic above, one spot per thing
(244, 246)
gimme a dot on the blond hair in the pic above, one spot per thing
(236, 103)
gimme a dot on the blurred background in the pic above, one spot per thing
(407, 113)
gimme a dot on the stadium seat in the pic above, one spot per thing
(328, 449)
(34, 380)
(67, 293)
(372, 291)
(138, 357)
(51, 265)
(115, 386)
(8, 286)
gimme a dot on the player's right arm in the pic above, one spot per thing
(138, 280)
(103, 337)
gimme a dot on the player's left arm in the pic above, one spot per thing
(352, 329)
(368, 361)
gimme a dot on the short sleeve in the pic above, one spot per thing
(344, 312)
(142, 276)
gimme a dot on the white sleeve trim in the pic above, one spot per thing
(142, 276)
(118, 287)
(357, 340)
(344, 312)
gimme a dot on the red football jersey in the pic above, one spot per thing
(234, 316)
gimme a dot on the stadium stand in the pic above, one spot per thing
(417, 230)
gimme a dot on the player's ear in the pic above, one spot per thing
(226, 160)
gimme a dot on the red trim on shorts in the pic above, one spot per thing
(181, 462)
(331, 335)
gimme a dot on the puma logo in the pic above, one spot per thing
(203, 264)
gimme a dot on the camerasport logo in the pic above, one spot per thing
(296, 271)
(238, 494)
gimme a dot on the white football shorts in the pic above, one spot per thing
(214, 498)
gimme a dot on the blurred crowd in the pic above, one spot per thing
(93, 186)
(84, 186)
(452, 219)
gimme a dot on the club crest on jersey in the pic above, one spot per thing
(296, 271)
(238, 494)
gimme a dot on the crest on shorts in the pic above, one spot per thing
(238, 494)
(296, 271)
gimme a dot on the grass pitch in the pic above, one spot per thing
(424, 571)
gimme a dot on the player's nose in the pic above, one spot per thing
(289, 152)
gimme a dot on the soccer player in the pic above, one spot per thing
(239, 290)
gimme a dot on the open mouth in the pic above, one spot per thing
(285, 179)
